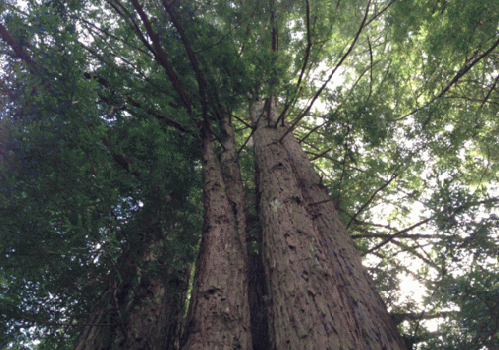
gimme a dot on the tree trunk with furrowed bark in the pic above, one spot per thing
(320, 296)
(219, 316)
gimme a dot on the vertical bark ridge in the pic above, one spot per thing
(231, 173)
(320, 295)
(253, 266)
(355, 280)
(219, 311)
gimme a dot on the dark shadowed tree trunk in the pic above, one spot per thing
(320, 296)
(142, 305)
(219, 316)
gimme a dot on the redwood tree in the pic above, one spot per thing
(283, 127)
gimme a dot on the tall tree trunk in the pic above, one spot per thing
(255, 284)
(139, 309)
(219, 311)
(320, 296)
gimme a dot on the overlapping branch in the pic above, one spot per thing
(160, 55)
(340, 62)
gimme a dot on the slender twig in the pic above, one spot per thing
(340, 181)
(71, 282)
(490, 91)
(51, 323)
(371, 199)
(127, 16)
(303, 68)
(380, 12)
(371, 70)
(7, 37)
(413, 236)
(340, 62)
(395, 235)
(411, 250)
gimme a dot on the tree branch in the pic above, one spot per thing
(395, 235)
(466, 68)
(129, 17)
(371, 199)
(7, 37)
(411, 250)
(161, 57)
(490, 91)
(318, 93)
(303, 68)
(413, 236)
(192, 57)
(400, 317)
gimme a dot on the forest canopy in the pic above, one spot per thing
(111, 110)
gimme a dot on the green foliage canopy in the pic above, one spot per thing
(96, 140)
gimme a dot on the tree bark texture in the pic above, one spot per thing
(320, 296)
(219, 316)
(255, 284)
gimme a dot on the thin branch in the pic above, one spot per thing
(365, 223)
(340, 181)
(380, 12)
(273, 26)
(318, 93)
(7, 37)
(371, 70)
(241, 120)
(304, 66)
(467, 67)
(311, 131)
(395, 235)
(309, 45)
(413, 236)
(400, 317)
(129, 17)
(321, 154)
(161, 57)
(490, 91)
(411, 250)
(324, 201)
(71, 282)
(120, 70)
(252, 130)
(192, 57)
(371, 199)
(111, 35)
(135, 103)
(227, 34)
(51, 323)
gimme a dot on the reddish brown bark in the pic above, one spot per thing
(219, 311)
(231, 173)
(7, 37)
(254, 288)
(319, 293)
